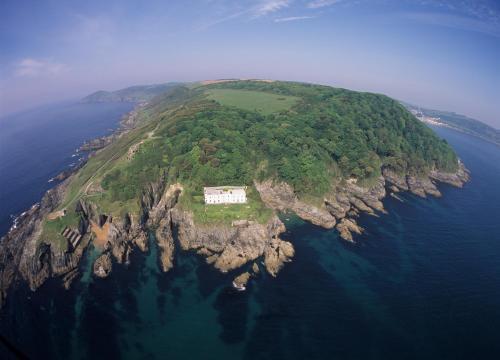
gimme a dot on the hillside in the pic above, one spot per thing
(137, 93)
(310, 137)
(325, 154)
(460, 123)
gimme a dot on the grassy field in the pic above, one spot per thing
(52, 229)
(264, 103)
(253, 210)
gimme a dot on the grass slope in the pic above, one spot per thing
(262, 102)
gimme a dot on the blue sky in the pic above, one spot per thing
(441, 54)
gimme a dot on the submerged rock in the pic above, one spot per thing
(255, 268)
(69, 278)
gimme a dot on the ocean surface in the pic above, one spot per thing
(423, 282)
(37, 145)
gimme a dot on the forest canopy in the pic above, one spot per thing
(323, 135)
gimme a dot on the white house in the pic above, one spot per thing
(225, 195)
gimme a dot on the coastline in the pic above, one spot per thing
(225, 247)
(461, 130)
(327, 277)
(124, 125)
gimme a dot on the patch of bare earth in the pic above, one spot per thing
(101, 234)
(56, 215)
(208, 82)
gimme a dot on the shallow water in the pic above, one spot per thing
(422, 282)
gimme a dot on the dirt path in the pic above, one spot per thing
(115, 156)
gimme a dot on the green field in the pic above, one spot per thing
(263, 102)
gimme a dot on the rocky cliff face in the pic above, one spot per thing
(123, 234)
(230, 247)
(344, 203)
(280, 196)
(24, 257)
(227, 247)
(161, 218)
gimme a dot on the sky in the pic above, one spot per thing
(442, 54)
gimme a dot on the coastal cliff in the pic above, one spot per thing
(342, 205)
(325, 154)
(24, 258)
(227, 247)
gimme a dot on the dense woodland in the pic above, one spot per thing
(328, 135)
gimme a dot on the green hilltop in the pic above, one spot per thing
(235, 132)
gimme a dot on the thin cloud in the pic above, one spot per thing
(250, 12)
(456, 22)
(270, 6)
(293, 18)
(317, 4)
(30, 67)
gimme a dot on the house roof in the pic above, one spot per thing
(219, 190)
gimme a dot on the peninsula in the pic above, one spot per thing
(323, 153)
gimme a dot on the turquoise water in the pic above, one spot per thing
(422, 282)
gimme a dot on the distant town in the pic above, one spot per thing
(427, 119)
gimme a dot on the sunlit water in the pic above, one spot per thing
(422, 282)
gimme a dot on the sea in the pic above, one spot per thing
(38, 144)
(422, 282)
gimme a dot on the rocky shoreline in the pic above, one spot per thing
(227, 247)
(23, 257)
(347, 200)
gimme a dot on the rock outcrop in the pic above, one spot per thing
(280, 196)
(103, 265)
(240, 282)
(457, 179)
(347, 199)
(160, 217)
(346, 227)
(24, 257)
(277, 254)
(123, 234)
(230, 247)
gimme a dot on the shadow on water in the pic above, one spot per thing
(300, 315)
(32, 321)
